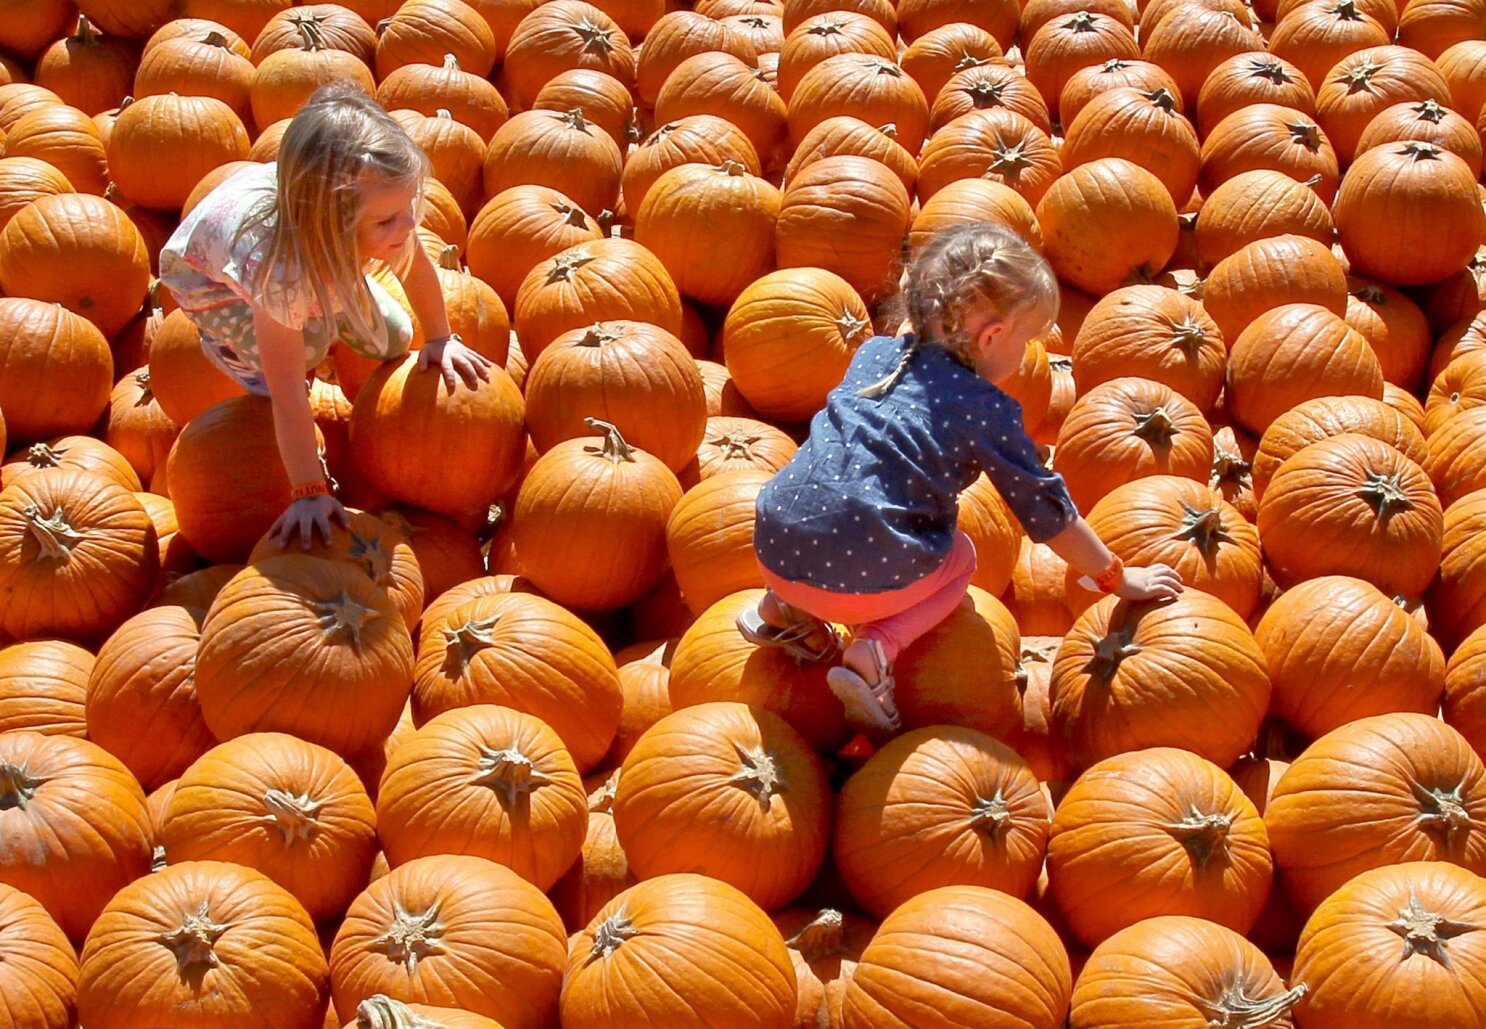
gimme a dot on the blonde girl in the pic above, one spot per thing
(272, 266)
(859, 528)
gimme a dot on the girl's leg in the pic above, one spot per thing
(897, 631)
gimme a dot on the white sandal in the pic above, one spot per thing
(869, 706)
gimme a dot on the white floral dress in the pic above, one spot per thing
(214, 265)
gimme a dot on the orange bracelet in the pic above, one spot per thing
(306, 490)
(1108, 579)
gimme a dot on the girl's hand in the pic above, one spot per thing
(456, 362)
(1155, 582)
(305, 517)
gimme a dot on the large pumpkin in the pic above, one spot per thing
(1273, 137)
(1396, 787)
(40, 991)
(1270, 272)
(868, 86)
(1365, 83)
(987, 87)
(719, 84)
(304, 646)
(1319, 418)
(55, 370)
(486, 781)
(43, 687)
(679, 950)
(1155, 333)
(203, 936)
(80, 453)
(710, 538)
(1144, 127)
(553, 39)
(678, 35)
(696, 139)
(161, 146)
(997, 143)
(941, 806)
(729, 791)
(559, 149)
(1105, 222)
(1255, 205)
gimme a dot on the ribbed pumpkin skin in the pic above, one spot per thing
(823, 36)
(846, 215)
(253, 953)
(1072, 41)
(550, 40)
(1395, 787)
(293, 628)
(1426, 121)
(517, 230)
(677, 36)
(1105, 221)
(711, 783)
(1463, 68)
(601, 871)
(713, 662)
(78, 555)
(1130, 676)
(294, 811)
(523, 652)
(942, 806)
(974, 200)
(55, 370)
(1372, 508)
(867, 86)
(1272, 137)
(988, 521)
(1320, 418)
(1269, 273)
(199, 66)
(1465, 697)
(81, 453)
(1167, 519)
(1156, 832)
(1394, 326)
(999, 144)
(846, 136)
(719, 84)
(65, 138)
(1313, 37)
(1459, 387)
(993, 86)
(24, 179)
(1255, 205)
(1147, 129)
(1363, 84)
(635, 375)
(1292, 354)
(1453, 461)
(559, 149)
(486, 781)
(422, 31)
(486, 941)
(382, 1010)
(1191, 41)
(1353, 938)
(691, 951)
(971, 955)
(286, 79)
(1251, 78)
(696, 139)
(340, 28)
(74, 826)
(189, 135)
(1128, 428)
(145, 675)
(1338, 650)
(1177, 971)
(1155, 333)
(732, 444)
(710, 537)
(1093, 81)
(43, 686)
(40, 988)
(425, 88)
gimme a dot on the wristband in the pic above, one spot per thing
(1107, 580)
(306, 490)
(453, 337)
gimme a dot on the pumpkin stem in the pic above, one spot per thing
(343, 618)
(824, 27)
(598, 334)
(887, 68)
(85, 32)
(1080, 21)
(610, 935)
(1385, 495)
(43, 455)
(571, 215)
(732, 168)
(449, 258)
(1417, 150)
(1155, 427)
(615, 449)
(595, 37)
(191, 943)
(1429, 110)
(1269, 68)
(1202, 834)
(293, 814)
(1307, 134)
(1010, 159)
(1204, 530)
(990, 815)
(1113, 65)
(969, 60)
(1359, 79)
(215, 38)
(451, 63)
(822, 937)
(1187, 335)
(53, 534)
(759, 774)
(16, 787)
(851, 325)
(1427, 933)
(601, 800)
(462, 644)
(510, 773)
(146, 394)
(411, 938)
(735, 446)
(1369, 294)
(565, 264)
(443, 114)
(382, 1012)
(1346, 10)
(312, 39)
(1229, 467)
(1235, 1009)
(984, 93)
(573, 118)
(1113, 648)
(1163, 99)
(1442, 810)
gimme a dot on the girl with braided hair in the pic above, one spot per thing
(859, 528)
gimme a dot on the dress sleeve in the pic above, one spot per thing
(998, 443)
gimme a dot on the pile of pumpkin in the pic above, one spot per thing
(497, 755)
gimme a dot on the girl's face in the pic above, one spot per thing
(384, 218)
(999, 341)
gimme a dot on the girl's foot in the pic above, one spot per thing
(775, 624)
(864, 684)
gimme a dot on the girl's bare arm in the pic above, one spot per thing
(281, 350)
(425, 295)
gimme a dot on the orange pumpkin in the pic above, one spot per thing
(824, 945)
(427, 88)
(601, 871)
(422, 31)
(1393, 325)
(1146, 128)
(1269, 136)
(678, 35)
(985, 517)
(553, 39)
(559, 149)
(65, 138)
(1255, 205)
(933, 58)
(695, 139)
(517, 230)
(138, 428)
(709, 537)
(188, 135)
(55, 370)
(1465, 74)
(1153, 333)
(1464, 697)
(72, 453)
(1364, 83)
(286, 78)
(340, 28)
(1251, 78)
(1067, 43)
(974, 200)
(1037, 597)
(43, 686)
(1095, 80)
(1457, 599)
(1320, 418)
(1192, 40)
(1269, 273)
(41, 990)
(985, 88)
(198, 65)
(720, 84)
(1106, 221)
(999, 144)
(733, 444)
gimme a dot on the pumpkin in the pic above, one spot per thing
(486, 781)
(1451, 462)
(422, 31)
(74, 453)
(1144, 127)
(41, 990)
(311, 626)
(970, 955)
(1459, 388)
(24, 179)
(79, 251)
(523, 652)
(1424, 121)
(42, 687)
(709, 783)
(559, 149)
(553, 39)
(138, 429)
(55, 370)
(678, 35)
(603, 99)
(1354, 937)
(204, 65)
(695, 139)
(1251, 78)
(1154, 333)
(823, 36)
(87, 70)
(202, 933)
(1095, 80)
(762, 25)
(1314, 36)
(709, 537)
(189, 135)
(286, 78)
(1036, 596)
(1463, 695)
(1256, 205)
(713, 662)
(1146, 675)
(824, 945)
(1294, 353)
(601, 871)
(1320, 418)
(518, 229)
(428, 88)
(181, 375)
(1266, 136)
(1106, 221)
(455, 152)
(1393, 325)
(724, 962)
(870, 86)
(65, 138)
(732, 444)
(1461, 65)
(382, 1012)
(1268, 273)
(985, 517)
(29, 28)
(1128, 428)
(998, 144)
(1417, 794)
(724, 398)
(1374, 509)
(974, 200)
(1426, 197)
(720, 84)
(1364, 83)
(789, 337)
(284, 807)
(75, 824)
(933, 58)
(938, 807)
(985, 88)
(1193, 40)
(1072, 41)
(1177, 969)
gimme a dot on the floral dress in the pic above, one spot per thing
(214, 265)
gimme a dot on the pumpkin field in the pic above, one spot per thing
(498, 755)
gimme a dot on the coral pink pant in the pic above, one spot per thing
(895, 618)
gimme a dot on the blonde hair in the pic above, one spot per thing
(976, 265)
(340, 134)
